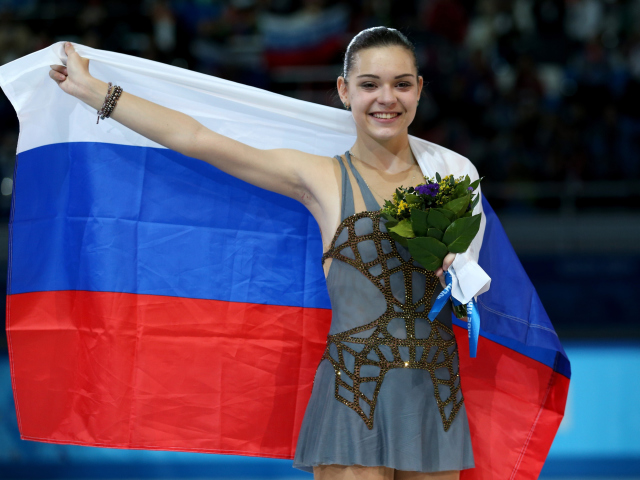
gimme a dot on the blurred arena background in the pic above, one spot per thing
(543, 96)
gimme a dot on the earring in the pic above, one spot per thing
(348, 107)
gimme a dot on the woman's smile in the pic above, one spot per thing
(385, 117)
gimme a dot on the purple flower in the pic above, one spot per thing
(429, 189)
(470, 189)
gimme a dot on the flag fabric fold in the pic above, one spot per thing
(155, 302)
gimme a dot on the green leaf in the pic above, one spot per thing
(419, 222)
(413, 199)
(461, 189)
(403, 228)
(401, 240)
(390, 224)
(460, 233)
(458, 205)
(428, 252)
(475, 184)
(438, 220)
(474, 202)
(438, 178)
(467, 214)
(435, 233)
(391, 221)
(447, 213)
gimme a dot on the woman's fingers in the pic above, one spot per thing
(57, 76)
(58, 73)
(448, 260)
(76, 64)
(446, 263)
(68, 48)
(59, 68)
(440, 275)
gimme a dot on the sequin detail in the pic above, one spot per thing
(437, 353)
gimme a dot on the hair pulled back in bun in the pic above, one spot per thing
(376, 37)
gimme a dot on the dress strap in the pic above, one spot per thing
(347, 206)
(369, 201)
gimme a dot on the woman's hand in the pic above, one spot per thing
(73, 79)
(446, 263)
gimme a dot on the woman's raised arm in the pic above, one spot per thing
(284, 171)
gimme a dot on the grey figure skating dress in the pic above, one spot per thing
(387, 390)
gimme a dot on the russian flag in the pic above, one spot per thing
(305, 37)
(155, 302)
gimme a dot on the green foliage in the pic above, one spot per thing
(433, 218)
(428, 252)
(419, 222)
(460, 233)
(437, 220)
(403, 228)
(435, 233)
(458, 205)
(447, 213)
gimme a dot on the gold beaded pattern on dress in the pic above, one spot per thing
(435, 347)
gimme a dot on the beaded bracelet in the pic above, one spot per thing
(106, 98)
(110, 102)
(113, 99)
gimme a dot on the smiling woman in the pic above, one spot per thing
(387, 399)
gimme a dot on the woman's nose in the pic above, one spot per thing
(387, 96)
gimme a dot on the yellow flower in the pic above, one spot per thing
(402, 206)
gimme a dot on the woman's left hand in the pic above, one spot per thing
(446, 263)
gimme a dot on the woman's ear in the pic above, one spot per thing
(342, 90)
(420, 83)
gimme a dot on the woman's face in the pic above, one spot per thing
(383, 90)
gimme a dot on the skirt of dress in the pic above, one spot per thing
(407, 434)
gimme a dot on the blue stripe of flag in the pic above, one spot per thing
(104, 217)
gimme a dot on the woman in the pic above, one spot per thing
(386, 401)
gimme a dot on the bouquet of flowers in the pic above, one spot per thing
(434, 218)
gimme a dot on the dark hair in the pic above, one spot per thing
(376, 37)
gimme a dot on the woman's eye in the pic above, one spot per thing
(404, 84)
(368, 85)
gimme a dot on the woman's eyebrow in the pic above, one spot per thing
(376, 76)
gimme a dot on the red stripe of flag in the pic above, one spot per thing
(514, 404)
(170, 373)
(156, 372)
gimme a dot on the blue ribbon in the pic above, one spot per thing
(442, 298)
(473, 318)
(473, 326)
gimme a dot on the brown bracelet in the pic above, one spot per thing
(106, 98)
(110, 102)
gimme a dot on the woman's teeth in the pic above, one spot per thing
(385, 115)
